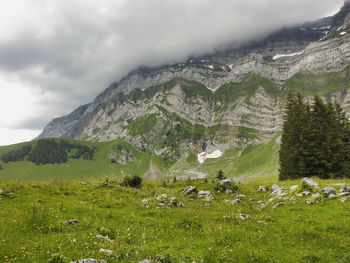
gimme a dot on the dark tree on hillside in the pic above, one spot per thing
(220, 176)
(315, 140)
(291, 142)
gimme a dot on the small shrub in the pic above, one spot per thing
(305, 187)
(134, 181)
(223, 187)
(190, 224)
(220, 176)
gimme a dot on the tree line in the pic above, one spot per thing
(50, 151)
(315, 140)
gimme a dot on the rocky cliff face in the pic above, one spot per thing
(219, 101)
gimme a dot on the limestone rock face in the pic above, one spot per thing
(255, 80)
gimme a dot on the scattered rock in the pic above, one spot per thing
(243, 217)
(293, 187)
(228, 191)
(310, 182)
(262, 188)
(1, 192)
(260, 202)
(316, 196)
(306, 193)
(105, 238)
(261, 207)
(83, 183)
(190, 190)
(181, 204)
(72, 222)
(343, 194)
(235, 201)
(310, 202)
(299, 195)
(206, 195)
(145, 202)
(343, 200)
(277, 205)
(240, 196)
(89, 260)
(106, 251)
(145, 261)
(227, 182)
(271, 200)
(332, 196)
(327, 191)
(275, 187)
(162, 197)
(345, 188)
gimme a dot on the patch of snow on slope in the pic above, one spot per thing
(203, 156)
(287, 55)
(342, 33)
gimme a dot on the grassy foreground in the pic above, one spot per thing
(32, 227)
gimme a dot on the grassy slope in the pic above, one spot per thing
(100, 167)
(32, 226)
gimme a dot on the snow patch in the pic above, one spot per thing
(342, 33)
(203, 156)
(287, 55)
(210, 66)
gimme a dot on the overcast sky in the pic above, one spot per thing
(58, 54)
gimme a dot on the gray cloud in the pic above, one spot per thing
(72, 50)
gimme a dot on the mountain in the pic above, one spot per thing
(232, 99)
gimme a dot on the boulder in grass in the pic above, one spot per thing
(243, 217)
(73, 222)
(262, 188)
(145, 261)
(277, 205)
(332, 196)
(327, 191)
(345, 189)
(190, 190)
(294, 187)
(227, 182)
(275, 187)
(316, 196)
(309, 182)
(206, 195)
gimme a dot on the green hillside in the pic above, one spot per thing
(235, 162)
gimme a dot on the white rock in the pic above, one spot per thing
(306, 193)
(235, 201)
(277, 205)
(299, 195)
(294, 187)
(343, 194)
(145, 203)
(228, 191)
(145, 261)
(243, 217)
(260, 202)
(181, 204)
(275, 187)
(227, 182)
(106, 251)
(310, 182)
(345, 188)
(190, 190)
(162, 197)
(105, 238)
(271, 200)
(316, 196)
(328, 191)
(262, 188)
(310, 202)
(343, 200)
(240, 196)
(332, 196)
